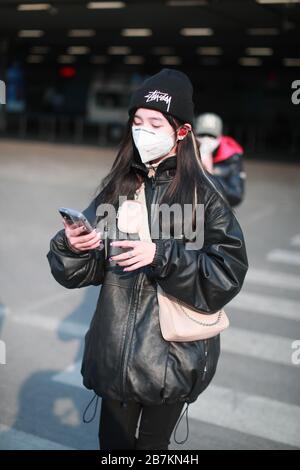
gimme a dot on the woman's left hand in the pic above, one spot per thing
(140, 254)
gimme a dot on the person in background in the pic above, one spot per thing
(222, 156)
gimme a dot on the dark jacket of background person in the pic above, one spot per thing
(229, 169)
(125, 356)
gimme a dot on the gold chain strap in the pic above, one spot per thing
(202, 323)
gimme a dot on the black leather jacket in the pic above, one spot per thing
(125, 356)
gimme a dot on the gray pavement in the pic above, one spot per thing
(253, 401)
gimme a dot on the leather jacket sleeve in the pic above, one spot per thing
(75, 270)
(208, 278)
(231, 175)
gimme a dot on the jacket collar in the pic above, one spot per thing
(167, 164)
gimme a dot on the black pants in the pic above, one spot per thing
(118, 425)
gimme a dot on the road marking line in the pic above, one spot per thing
(70, 376)
(257, 345)
(249, 414)
(267, 305)
(273, 279)
(51, 324)
(284, 256)
(295, 241)
(13, 439)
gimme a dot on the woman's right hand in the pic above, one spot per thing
(78, 242)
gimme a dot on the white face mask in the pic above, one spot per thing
(151, 144)
(208, 144)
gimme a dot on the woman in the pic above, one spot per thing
(142, 378)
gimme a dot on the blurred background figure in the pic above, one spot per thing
(221, 156)
(15, 88)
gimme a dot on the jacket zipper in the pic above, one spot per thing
(129, 335)
(165, 375)
(206, 359)
(130, 324)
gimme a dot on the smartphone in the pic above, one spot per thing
(73, 217)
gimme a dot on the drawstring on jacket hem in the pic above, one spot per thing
(95, 409)
(187, 425)
(124, 404)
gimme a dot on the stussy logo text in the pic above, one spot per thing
(159, 96)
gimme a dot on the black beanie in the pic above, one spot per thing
(169, 91)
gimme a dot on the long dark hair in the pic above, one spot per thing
(123, 179)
